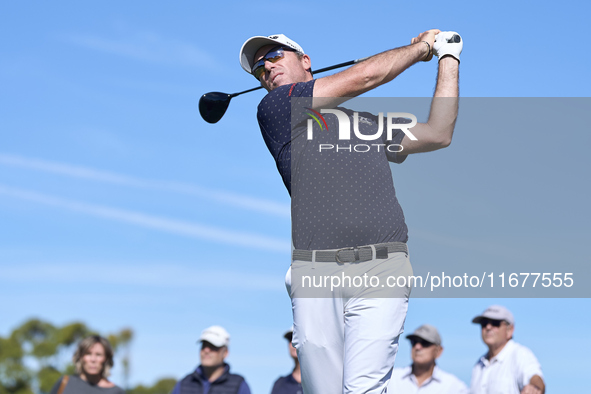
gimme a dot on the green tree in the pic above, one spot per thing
(15, 378)
(37, 353)
(163, 386)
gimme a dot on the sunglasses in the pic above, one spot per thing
(274, 55)
(423, 343)
(494, 323)
(210, 346)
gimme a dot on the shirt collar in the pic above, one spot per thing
(199, 371)
(435, 376)
(291, 379)
(503, 354)
(407, 372)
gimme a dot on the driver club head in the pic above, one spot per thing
(213, 105)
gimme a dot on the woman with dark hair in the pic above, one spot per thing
(93, 360)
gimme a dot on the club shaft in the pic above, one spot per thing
(349, 63)
(345, 64)
(246, 91)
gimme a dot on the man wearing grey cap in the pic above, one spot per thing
(213, 375)
(424, 376)
(344, 207)
(507, 367)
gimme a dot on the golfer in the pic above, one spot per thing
(345, 214)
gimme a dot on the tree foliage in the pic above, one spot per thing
(37, 353)
(163, 386)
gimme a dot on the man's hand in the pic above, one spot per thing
(429, 38)
(531, 389)
(448, 43)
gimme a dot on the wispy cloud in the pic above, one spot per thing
(184, 228)
(149, 275)
(237, 200)
(149, 47)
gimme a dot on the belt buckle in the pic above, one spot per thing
(343, 249)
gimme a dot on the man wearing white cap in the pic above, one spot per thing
(507, 367)
(344, 206)
(213, 375)
(424, 376)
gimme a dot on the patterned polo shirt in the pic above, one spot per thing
(341, 197)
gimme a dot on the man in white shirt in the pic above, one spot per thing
(507, 367)
(423, 376)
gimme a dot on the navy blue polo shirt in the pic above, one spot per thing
(340, 197)
(287, 385)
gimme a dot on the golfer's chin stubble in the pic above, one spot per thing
(279, 81)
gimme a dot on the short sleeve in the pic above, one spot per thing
(528, 366)
(392, 153)
(460, 387)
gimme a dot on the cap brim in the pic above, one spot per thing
(250, 48)
(477, 319)
(414, 336)
(214, 341)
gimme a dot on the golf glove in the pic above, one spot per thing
(448, 43)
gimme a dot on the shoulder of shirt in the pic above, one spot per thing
(237, 374)
(513, 348)
(283, 90)
(479, 362)
(519, 349)
(399, 373)
(518, 346)
(449, 377)
(280, 91)
(282, 380)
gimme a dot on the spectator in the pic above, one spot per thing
(213, 375)
(292, 383)
(507, 367)
(93, 360)
(424, 376)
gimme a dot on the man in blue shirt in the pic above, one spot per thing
(213, 375)
(292, 383)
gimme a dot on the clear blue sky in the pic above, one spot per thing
(120, 206)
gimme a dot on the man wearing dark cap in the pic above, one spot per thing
(507, 367)
(424, 376)
(292, 383)
(345, 212)
(213, 375)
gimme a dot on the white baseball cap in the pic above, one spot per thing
(495, 312)
(428, 333)
(215, 335)
(253, 44)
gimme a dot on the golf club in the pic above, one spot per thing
(213, 105)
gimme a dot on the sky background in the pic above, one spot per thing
(121, 207)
